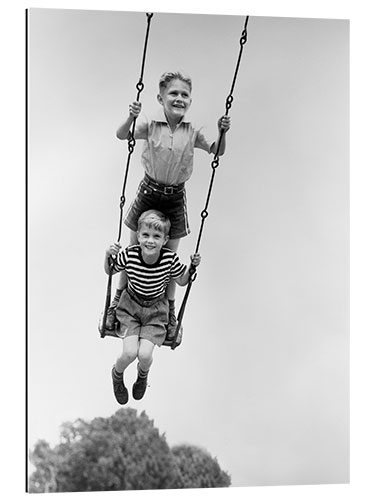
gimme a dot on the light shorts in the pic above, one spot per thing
(146, 322)
(170, 200)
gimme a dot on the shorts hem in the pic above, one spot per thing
(180, 235)
(158, 342)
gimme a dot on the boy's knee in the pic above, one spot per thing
(129, 354)
(145, 356)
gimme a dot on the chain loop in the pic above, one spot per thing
(243, 38)
(228, 103)
(140, 86)
(193, 277)
(215, 163)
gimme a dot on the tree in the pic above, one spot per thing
(44, 459)
(197, 469)
(122, 452)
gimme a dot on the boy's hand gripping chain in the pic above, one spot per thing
(214, 165)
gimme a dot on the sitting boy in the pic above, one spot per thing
(143, 307)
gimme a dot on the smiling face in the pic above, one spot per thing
(175, 99)
(151, 241)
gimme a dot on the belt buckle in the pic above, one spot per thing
(168, 189)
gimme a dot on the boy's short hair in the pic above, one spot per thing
(156, 220)
(176, 75)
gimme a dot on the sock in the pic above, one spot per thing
(117, 375)
(142, 373)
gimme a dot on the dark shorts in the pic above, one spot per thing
(170, 200)
(147, 322)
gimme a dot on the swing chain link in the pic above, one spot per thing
(140, 86)
(131, 143)
(243, 38)
(215, 162)
(229, 102)
(193, 274)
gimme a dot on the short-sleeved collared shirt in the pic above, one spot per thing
(167, 156)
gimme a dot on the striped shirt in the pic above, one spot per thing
(149, 280)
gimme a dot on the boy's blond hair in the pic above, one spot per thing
(173, 75)
(156, 220)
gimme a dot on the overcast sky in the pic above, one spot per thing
(262, 377)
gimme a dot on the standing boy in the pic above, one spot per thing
(170, 139)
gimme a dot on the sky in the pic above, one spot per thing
(262, 378)
(261, 389)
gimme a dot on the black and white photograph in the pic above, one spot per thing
(257, 392)
(188, 183)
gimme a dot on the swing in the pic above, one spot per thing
(176, 341)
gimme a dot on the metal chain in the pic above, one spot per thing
(131, 141)
(215, 162)
(131, 144)
(214, 165)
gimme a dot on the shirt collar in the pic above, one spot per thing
(159, 116)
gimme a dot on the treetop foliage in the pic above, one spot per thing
(122, 452)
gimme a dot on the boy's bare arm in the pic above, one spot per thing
(134, 110)
(184, 279)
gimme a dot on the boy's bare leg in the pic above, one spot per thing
(129, 353)
(145, 352)
(146, 349)
(130, 346)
